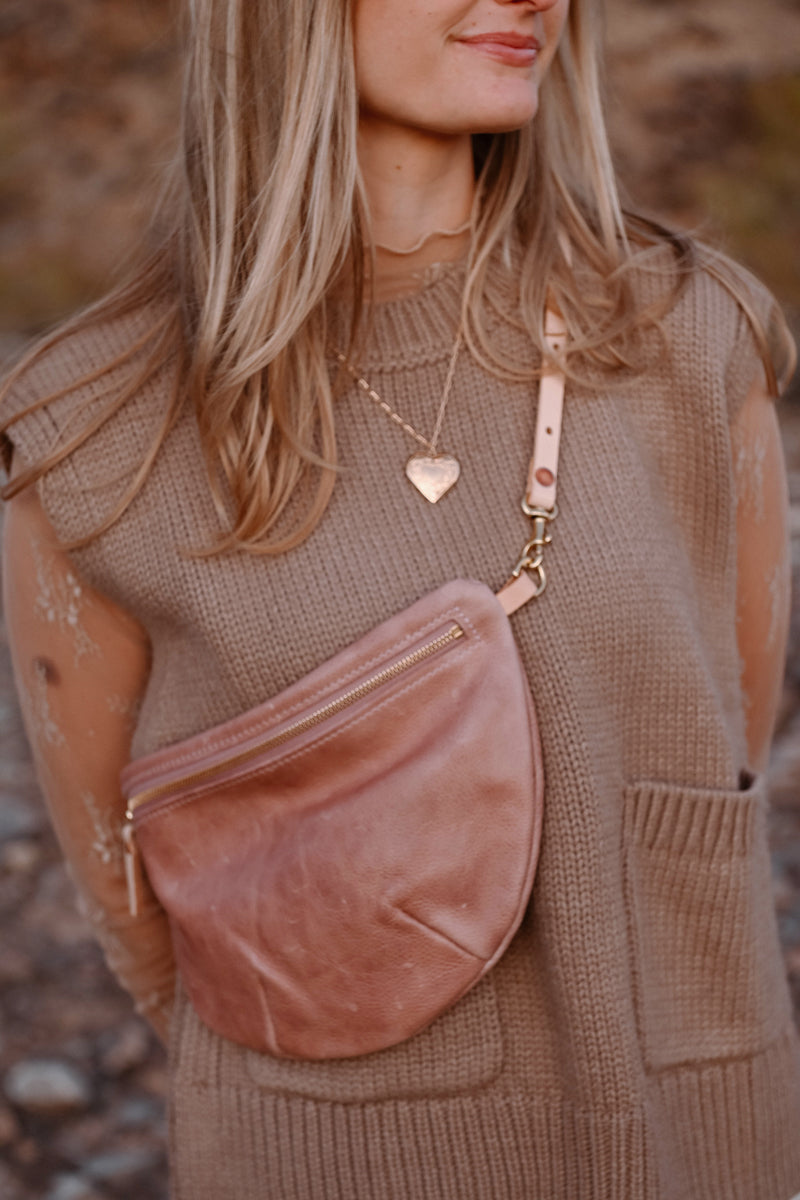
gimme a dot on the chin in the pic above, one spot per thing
(506, 117)
(503, 122)
(504, 125)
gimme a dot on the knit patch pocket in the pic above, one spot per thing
(708, 971)
(461, 1050)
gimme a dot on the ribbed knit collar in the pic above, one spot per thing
(420, 327)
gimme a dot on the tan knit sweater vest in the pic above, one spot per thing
(636, 1041)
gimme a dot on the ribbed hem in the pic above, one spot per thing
(232, 1139)
(742, 1117)
(724, 1131)
(465, 1148)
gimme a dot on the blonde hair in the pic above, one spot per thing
(264, 212)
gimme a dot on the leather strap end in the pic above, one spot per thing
(516, 593)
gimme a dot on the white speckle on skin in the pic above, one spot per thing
(778, 584)
(748, 465)
(106, 845)
(59, 602)
(124, 707)
(38, 708)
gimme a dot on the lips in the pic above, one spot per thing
(517, 41)
(513, 49)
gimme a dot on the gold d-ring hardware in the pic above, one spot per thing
(532, 557)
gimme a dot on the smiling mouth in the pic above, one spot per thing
(514, 49)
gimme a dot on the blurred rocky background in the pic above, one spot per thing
(705, 113)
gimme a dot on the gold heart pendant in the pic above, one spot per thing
(433, 475)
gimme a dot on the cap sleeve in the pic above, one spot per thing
(70, 391)
(746, 358)
(32, 434)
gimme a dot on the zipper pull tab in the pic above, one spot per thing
(133, 866)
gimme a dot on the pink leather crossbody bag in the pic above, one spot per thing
(343, 862)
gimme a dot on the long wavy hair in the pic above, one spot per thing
(264, 211)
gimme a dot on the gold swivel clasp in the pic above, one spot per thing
(532, 557)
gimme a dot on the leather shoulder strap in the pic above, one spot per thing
(543, 472)
(528, 579)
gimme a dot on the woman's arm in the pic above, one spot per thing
(81, 665)
(764, 566)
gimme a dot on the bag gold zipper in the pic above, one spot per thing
(302, 725)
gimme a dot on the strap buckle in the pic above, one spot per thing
(531, 558)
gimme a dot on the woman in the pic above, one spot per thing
(405, 189)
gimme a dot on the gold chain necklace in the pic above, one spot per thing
(432, 473)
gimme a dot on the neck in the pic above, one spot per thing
(416, 183)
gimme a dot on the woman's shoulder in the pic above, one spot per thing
(725, 325)
(85, 404)
(65, 381)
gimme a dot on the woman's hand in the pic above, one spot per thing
(81, 665)
(764, 566)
